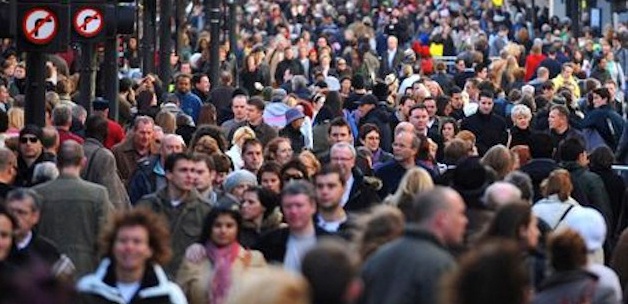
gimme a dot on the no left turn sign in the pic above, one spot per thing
(40, 25)
(88, 22)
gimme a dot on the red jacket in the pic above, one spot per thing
(115, 134)
(67, 135)
(532, 62)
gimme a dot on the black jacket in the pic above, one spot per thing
(489, 130)
(297, 140)
(539, 169)
(363, 194)
(273, 244)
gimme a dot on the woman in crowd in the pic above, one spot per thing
(293, 170)
(558, 201)
(414, 181)
(500, 160)
(269, 176)
(311, 163)
(134, 245)
(370, 138)
(601, 162)
(235, 152)
(516, 222)
(260, 214)
(570, 282)
(520, 131)
(223, 262)
(448, 129)
(382, 225)
(278, 150)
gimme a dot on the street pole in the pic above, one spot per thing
(111, 75)
(214, 22)
(36, 89)
(233, 43)
(148, 36)
(165, 43)
(87, 81)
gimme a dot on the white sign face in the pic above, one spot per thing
(88, 22)
(40, 25)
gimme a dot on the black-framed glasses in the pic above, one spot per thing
(26, 139)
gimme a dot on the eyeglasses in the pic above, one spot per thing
(26, 139)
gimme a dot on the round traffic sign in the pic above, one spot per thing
(88, 22)
(40, 25)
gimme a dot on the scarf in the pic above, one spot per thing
(222, 259)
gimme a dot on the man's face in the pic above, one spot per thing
(402, 147)
(611, 89)
(184, 85)
(567, 72)
(203, 84)
(598, 101)
(204, 177)
(143, 135)
(392, 43)
(406, 106)
(419, 119)
(170, 145)
(253, 158)
(238, 106)
(254, 115)
(343, 158)
(456, 101)
(19, 73)
(298, 211)
(329, 191)
(30, 146)
(556, 120)
(486, 105)
(456, 220)
(430, 104)
(27, 216)
(183, 175)
(289, 53)
(339, 134)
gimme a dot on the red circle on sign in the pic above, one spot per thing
(83, 18)
(32, 31)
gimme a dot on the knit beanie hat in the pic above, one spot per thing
(239, 177)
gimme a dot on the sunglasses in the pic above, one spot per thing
(27, 139)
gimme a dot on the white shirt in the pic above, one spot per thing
(27, 240)
(127, 290)
(330, 226)
(296, 248)
(175, 203)
(348, 186)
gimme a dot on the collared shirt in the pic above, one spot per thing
(348, 186)
(27, 240)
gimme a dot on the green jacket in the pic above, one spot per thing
(186, 221)
(589, 189)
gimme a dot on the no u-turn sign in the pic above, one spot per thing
(40, 25)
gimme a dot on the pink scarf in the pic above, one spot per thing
(222, 259)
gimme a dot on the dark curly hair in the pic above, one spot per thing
(156, 226)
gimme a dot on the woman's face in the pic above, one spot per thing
(530, 234)
(131, 248)
(521, 121)
(271, 181)
(448, 131)
(371, 140)
(284, 152)
(224, 231)
(6, 236)
(252, 208)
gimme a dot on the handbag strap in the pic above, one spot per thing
(563, 217)
(88, 170)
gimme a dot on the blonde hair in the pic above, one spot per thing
(16, 118)
(271, 285)
(499, 159)
(382, 225)
(415, 180)
(242, 134)
(307, 156)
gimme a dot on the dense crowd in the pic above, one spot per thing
(351, 152)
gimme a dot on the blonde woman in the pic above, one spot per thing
(16, 121)
(416, 180)
(239, 137)
(312, 165)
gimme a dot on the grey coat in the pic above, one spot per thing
(72, 215)
(577, 286)
(407, 270)
(102, 169)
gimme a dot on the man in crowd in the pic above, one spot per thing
(30, 153)
(206, 173)
(190, 104)
(287, 245)
(405, 149)
(73, 211)
(115, 134)
(201, 87)
(101, 164)
(331, 216)
(252, 155)
(358, 194)
(62, 120)
(150, 175)
(559, 128)
(489, 128)
(238, 107)
(254, 120)
(181, 204)
(409, 269)
(136, 146)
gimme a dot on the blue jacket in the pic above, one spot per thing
(146, 179)
(190, 104)
(599, 119)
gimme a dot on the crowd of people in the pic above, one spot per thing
(338, 159)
